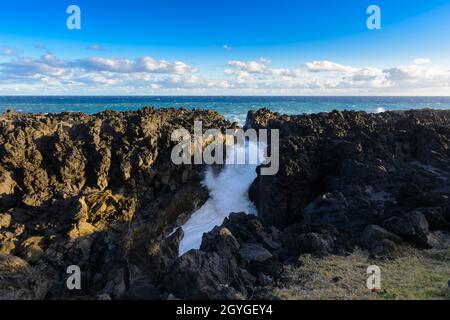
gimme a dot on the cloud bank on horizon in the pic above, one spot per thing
(232, 48)
(146, 75)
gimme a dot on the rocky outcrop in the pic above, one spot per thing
(97, 191)
(234, 260)
(353, 179)
(20, 281)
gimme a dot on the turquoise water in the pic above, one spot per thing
(233, 108)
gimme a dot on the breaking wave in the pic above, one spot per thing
(228, 193)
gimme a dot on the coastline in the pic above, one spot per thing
(233, 108)
(100, 191)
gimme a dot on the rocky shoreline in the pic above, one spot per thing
(99, 191)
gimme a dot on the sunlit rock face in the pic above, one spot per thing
(99, 191)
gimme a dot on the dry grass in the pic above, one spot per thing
(413, 274)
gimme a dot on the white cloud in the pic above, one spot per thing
(259, 66)
(96, 74)
(417, 72)
(327, 66)
(143, 64)
(227, 47)
(9, 52)
(420, 61)
(29, 68)
(327, 77)
(116, 75)
(95, 47)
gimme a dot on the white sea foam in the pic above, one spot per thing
(380, 110)
(228, 193)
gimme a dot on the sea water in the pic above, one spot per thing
(233, 108)
(228, 192)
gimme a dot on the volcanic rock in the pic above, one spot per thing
(98, 191)
(19, 281)
(341, 173)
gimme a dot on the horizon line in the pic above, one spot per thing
(224, 96)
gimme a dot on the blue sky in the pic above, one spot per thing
(287, 47)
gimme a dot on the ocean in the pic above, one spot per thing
(233, 108)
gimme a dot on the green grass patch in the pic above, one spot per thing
(412, 274)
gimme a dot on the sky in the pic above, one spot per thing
(251, 47)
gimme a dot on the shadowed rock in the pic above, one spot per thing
(19, 281)
(342, 171)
